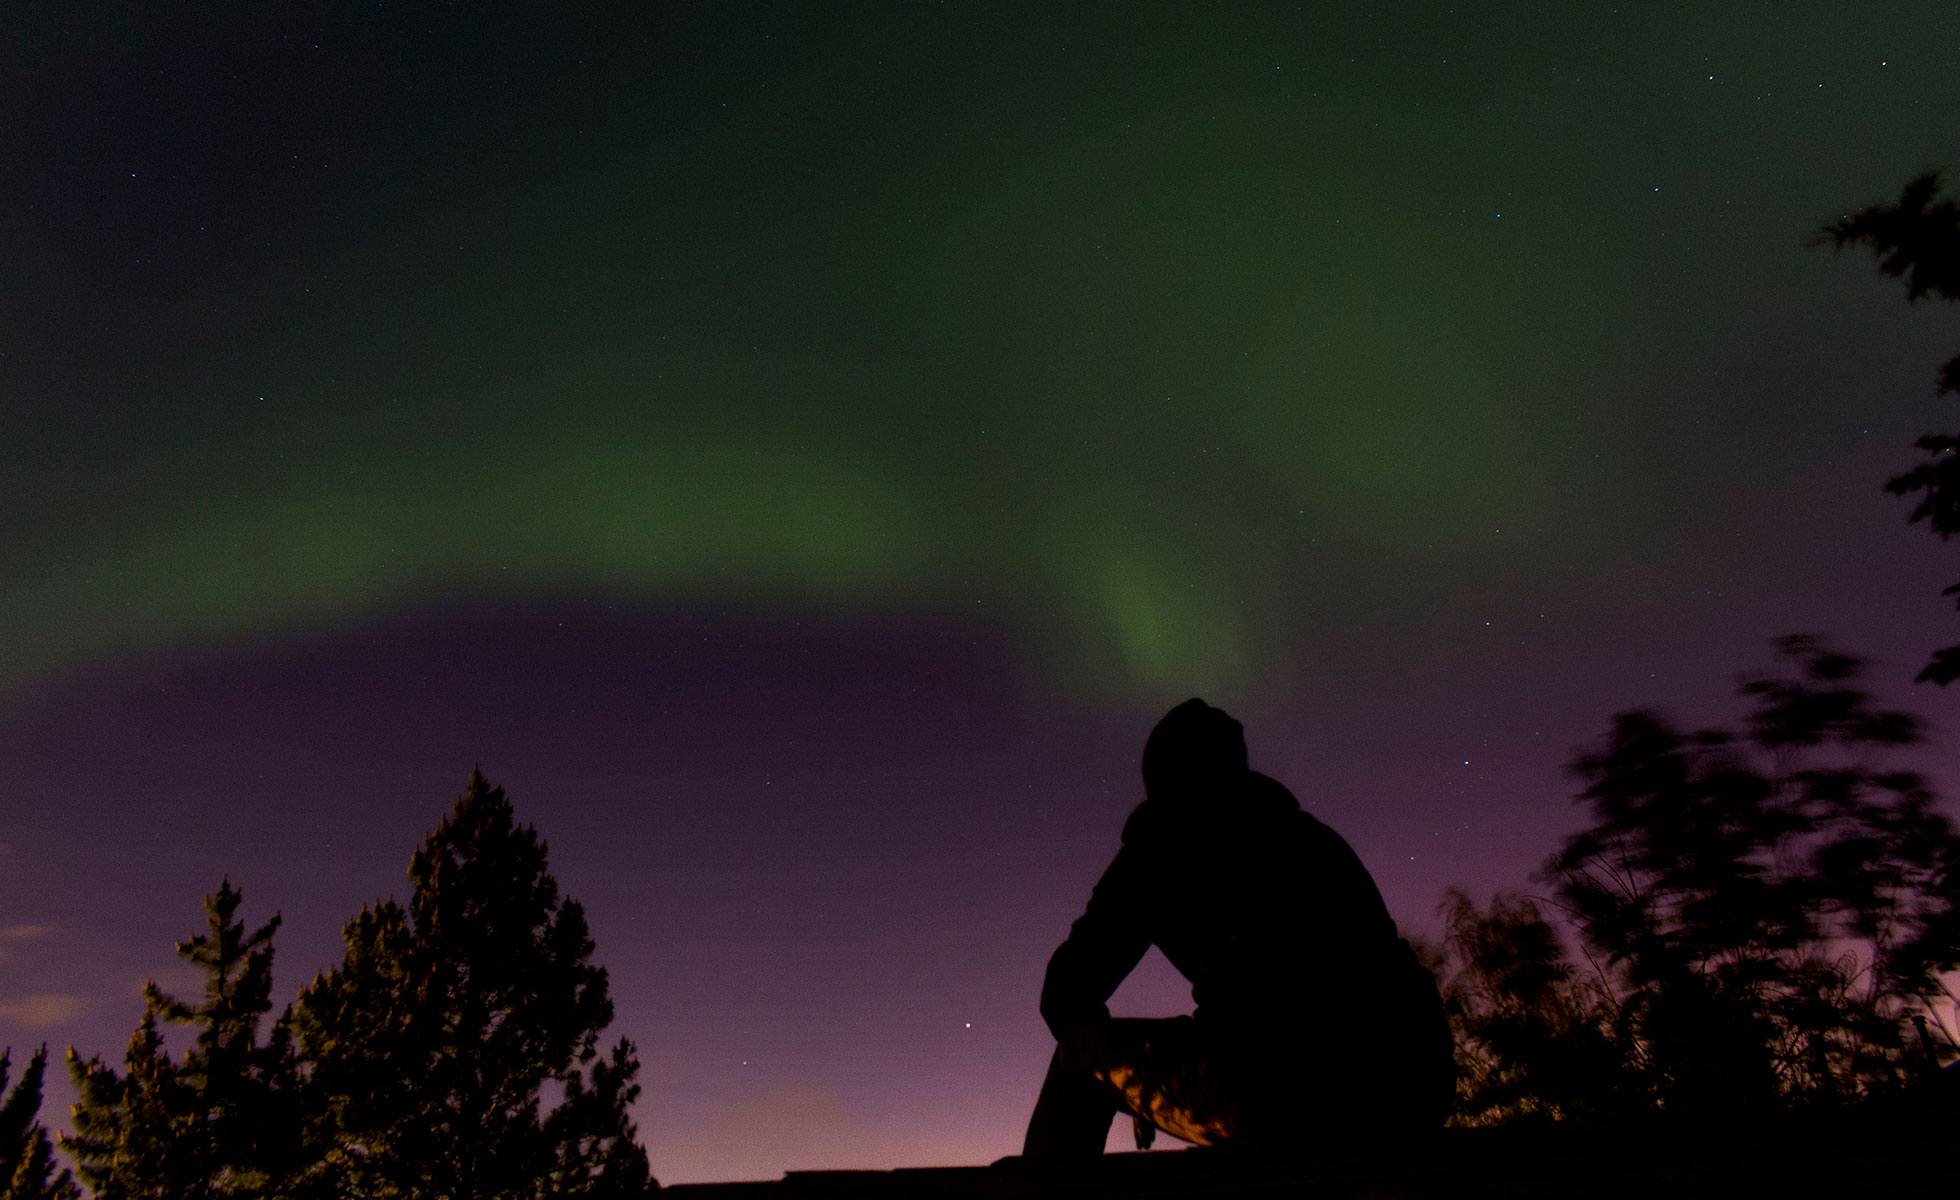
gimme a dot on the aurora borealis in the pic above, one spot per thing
(798, 449)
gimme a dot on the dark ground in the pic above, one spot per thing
(1904, 1150)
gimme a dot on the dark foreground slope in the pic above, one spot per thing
(1908, 1151)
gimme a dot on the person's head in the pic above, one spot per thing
(1194, 749)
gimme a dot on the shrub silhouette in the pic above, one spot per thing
(1766, 916)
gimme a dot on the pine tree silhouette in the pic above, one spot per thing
(1918, 240)
(28, 1170)
(427, 1051)
(220, 1120)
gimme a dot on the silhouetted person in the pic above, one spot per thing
(1315, 1023)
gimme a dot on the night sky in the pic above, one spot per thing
(799, 451)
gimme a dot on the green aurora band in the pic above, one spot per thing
(1164, 364)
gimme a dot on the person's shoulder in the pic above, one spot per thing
(1269, 795)
(1274, 806)
(1145, 824)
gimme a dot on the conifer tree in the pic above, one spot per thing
(27, 1166)
(1918, 240)
(219, 1121)
(594, 1156)
(125, 1125)
(428, 1049)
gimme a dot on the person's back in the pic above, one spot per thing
(1312, 1013)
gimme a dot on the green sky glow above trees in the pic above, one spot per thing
(1146, 358)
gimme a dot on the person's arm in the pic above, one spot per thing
(1103, 947)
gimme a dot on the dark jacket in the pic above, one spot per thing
(1267, 912)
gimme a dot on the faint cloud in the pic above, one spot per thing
(14, 935)
(782, 1129)
(42, 1011)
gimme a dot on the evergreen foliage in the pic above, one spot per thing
(216, 1123)
(416, 1068)
(1764, 912)
(123, 1123)
(1918, 239)
(27, 1167)
(427, 1052)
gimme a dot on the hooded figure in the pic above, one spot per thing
(1314, 1021)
